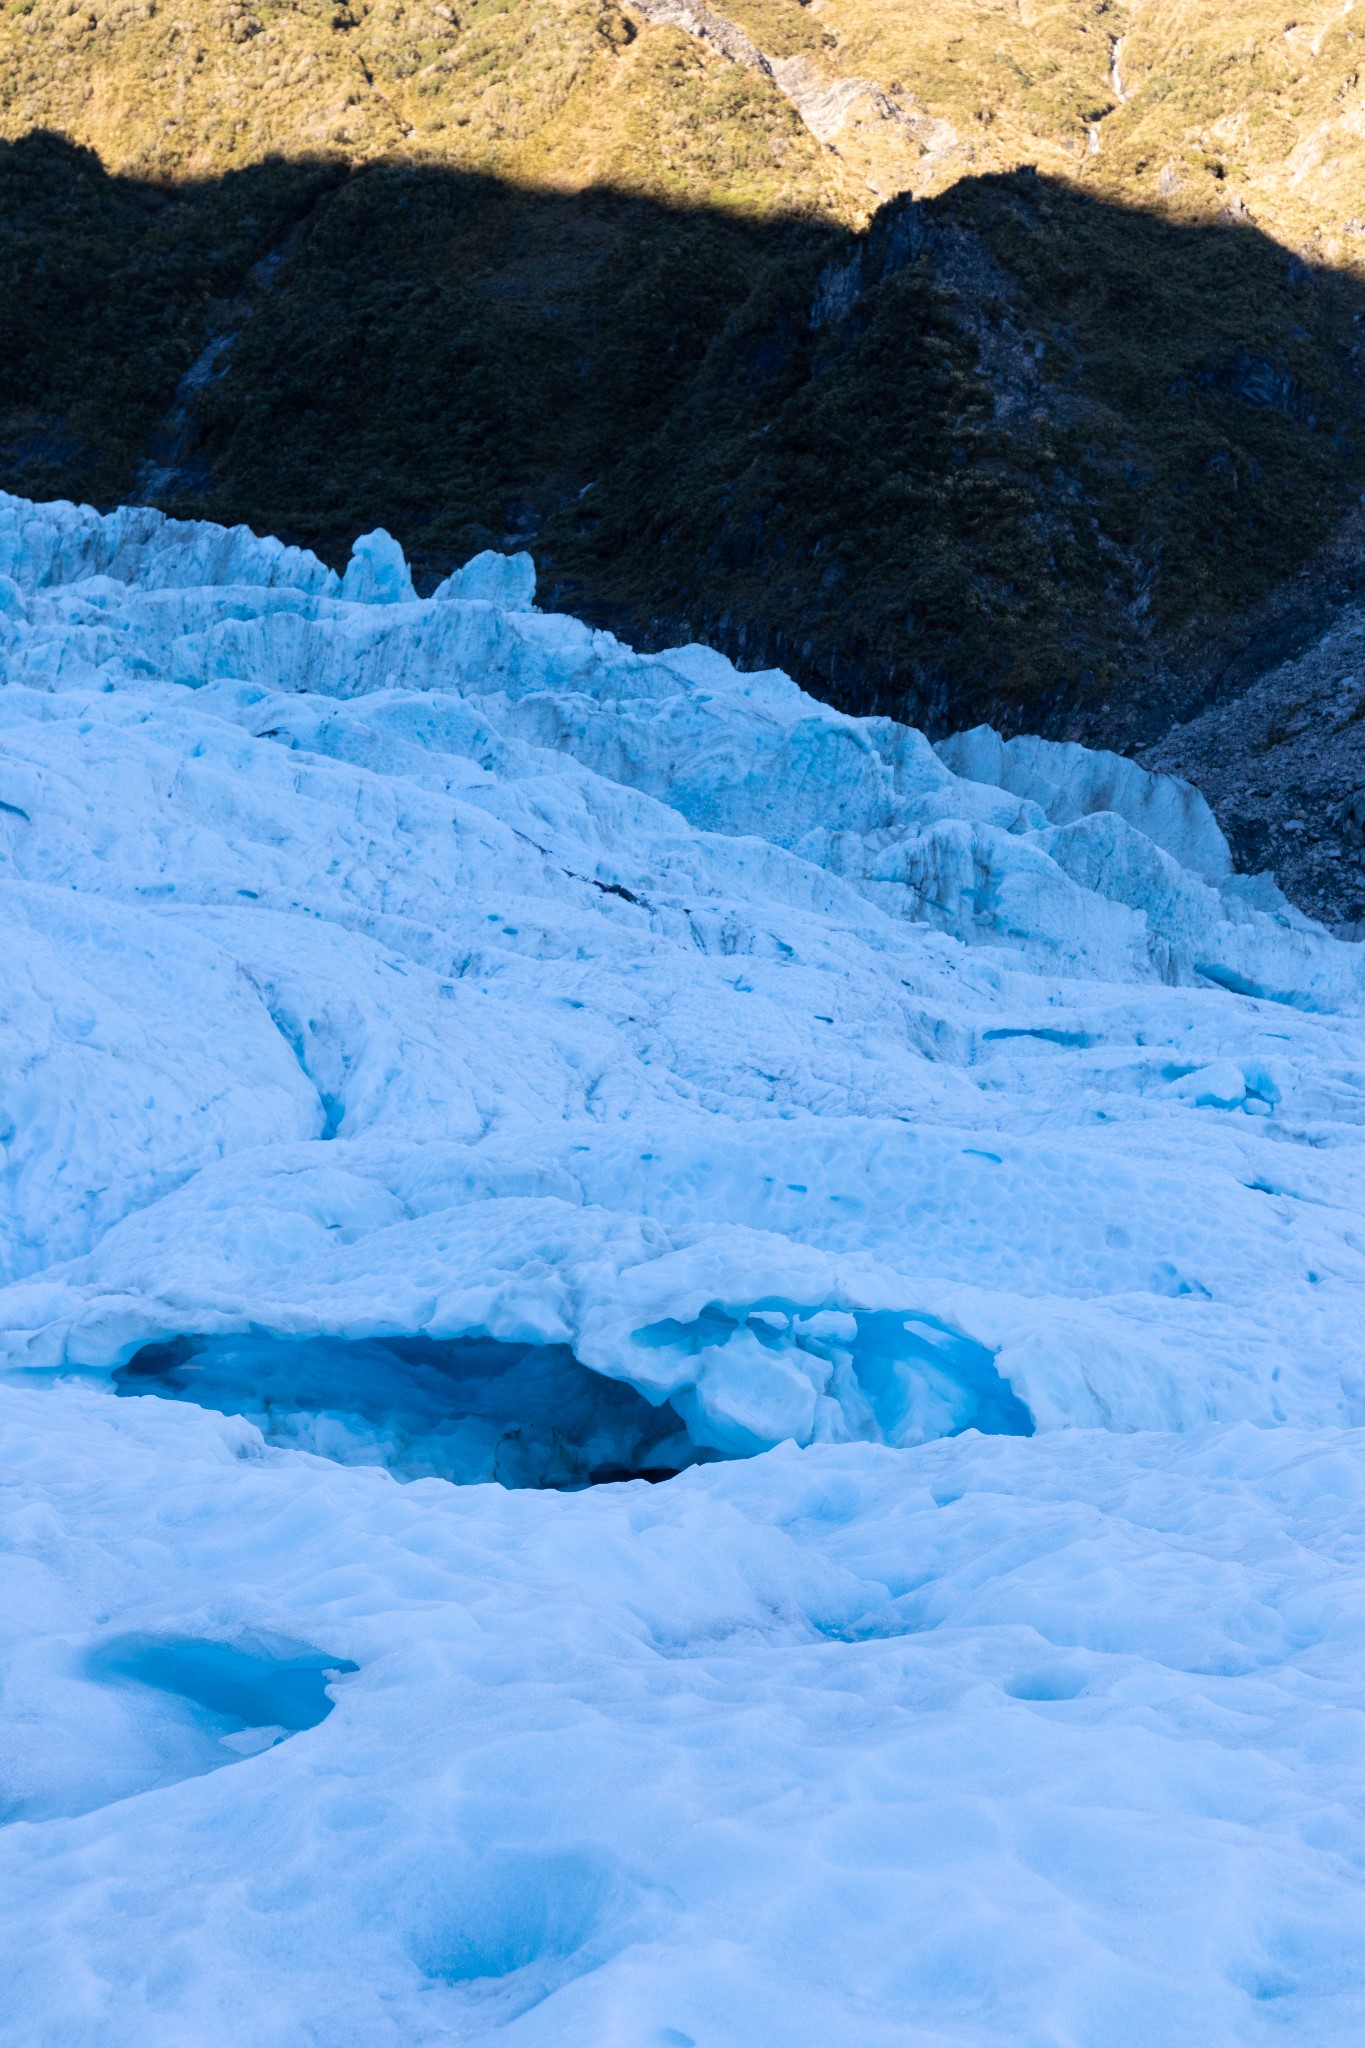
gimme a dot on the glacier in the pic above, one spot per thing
(457, 1069)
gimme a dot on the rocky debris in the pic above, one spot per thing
(694, 18)
(1283, 767)
(837, 111)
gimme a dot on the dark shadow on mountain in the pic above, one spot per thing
(1013, 452)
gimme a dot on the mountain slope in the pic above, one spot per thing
(609, 283)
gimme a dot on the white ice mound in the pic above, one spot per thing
(385, 972)
(506, 580)
(377, 572)
(1068, 782)
(43, 546)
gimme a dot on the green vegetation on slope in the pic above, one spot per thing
(541, 273)
(1037, 448)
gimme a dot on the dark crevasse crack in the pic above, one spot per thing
(468, 1409)
(606, 888)
(313, 1047)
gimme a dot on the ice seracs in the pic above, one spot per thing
(440, 1044)
(424, 969)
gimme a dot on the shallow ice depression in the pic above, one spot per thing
(144, 1710)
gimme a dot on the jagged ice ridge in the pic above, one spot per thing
(441, 1044)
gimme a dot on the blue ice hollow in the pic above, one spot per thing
(918, 1377)
(252, 1682)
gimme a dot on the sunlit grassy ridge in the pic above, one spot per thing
(542, 92)
(548, 272)
(1190, 106)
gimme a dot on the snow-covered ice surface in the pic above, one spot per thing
(442, 1045)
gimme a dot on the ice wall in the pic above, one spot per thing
(394, 970)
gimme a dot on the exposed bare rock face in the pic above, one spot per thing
(1283, 765)
(888, 140)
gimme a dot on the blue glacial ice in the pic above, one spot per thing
(453, 1067)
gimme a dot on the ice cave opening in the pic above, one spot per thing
(473, 1408)
(466, 1409)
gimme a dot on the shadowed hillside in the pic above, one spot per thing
(1012, 449)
